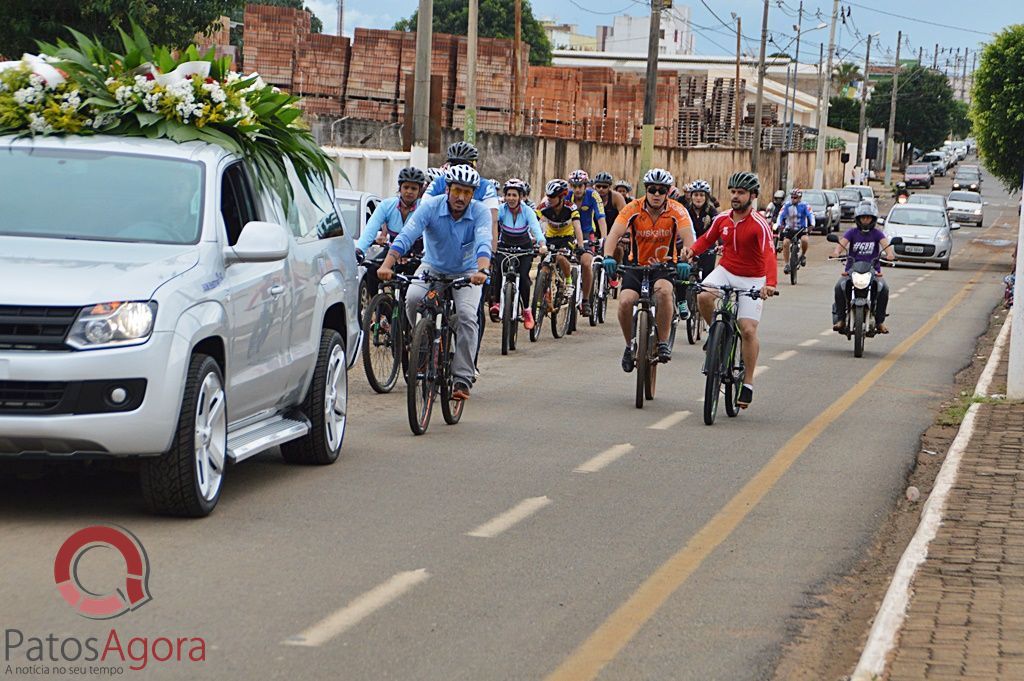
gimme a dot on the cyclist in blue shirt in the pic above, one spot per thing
(389, 218)
(796, 218)
(517, 227)
(456, 233)
(591, 209)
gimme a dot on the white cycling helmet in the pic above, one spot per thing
(433, 174)
(701, 186)
(467, 176)
(659, 176)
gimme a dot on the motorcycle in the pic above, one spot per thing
(860, 304)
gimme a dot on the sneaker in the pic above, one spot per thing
(628, 361)
(528, 322)
(840, 326)
(684, 310)
(495, 313)
(746, 397)
(460, 391)
(785, 270)
(664, 353)
(585, 308)
(881, 328)
(803, 261)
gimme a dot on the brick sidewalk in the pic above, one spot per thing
(966, 615)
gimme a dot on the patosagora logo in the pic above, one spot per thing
(132, 595)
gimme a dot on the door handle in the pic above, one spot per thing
(276, 290)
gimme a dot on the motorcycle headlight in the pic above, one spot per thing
(860, 279)
(974, 186)
(115, 324)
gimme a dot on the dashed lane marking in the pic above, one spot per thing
(606, 457)
(760, 370)
(809, 342)
(783, 356)
(524, 509)
(669, 421)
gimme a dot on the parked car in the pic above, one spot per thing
(849, 199)
(355, 208)
(967, 179)
(834, 207)
(966, 206)
(815, 198)
(167, 308)
(919, 175)
(925, 231)
(866, 193)
(937, 162)
(927, 200)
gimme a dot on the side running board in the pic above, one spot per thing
(263, 435)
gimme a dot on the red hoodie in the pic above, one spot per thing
(748, 249)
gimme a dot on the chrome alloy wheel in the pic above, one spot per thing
(336, 398)
(211, 437)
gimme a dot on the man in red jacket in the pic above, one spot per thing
(748, 262)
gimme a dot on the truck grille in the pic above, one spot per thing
(35, 328)
(30, 397)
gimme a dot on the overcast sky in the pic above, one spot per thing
(712, 38)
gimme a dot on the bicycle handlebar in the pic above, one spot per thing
(754, 293)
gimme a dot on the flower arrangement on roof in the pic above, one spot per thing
(154, 92)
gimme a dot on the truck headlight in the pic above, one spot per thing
(115, 324)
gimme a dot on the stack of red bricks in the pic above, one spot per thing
(373, 75)
(443, 62)
(493, 83)
(218, 39)
(272, 36)
(550, 101)
(321, 67)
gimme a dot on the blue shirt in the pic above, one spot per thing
(485, 192)
(590, 207)
(386, 215)
(796, 216)
(525, 222)
(450, 246)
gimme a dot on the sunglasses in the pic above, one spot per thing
(602, 187)
(657, 189)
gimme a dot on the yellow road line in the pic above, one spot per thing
(587, 661)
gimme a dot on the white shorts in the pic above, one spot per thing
(748, 308)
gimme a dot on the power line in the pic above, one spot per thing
(920, 21)
(587, 9)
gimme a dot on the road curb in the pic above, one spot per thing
(889, 618)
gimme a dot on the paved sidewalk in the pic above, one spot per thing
(966, 615)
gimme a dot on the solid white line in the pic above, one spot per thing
(524, 509)
(809, 342)
(985, 380)
(376, 598)
(892, 612)
(760, 370)
(669, 421)
(783, 356)
(606, 457)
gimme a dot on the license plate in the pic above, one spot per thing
(915, 249)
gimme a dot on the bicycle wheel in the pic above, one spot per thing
(643, 355)
(423, 374)
(507, 319)
(652, 361)
(517, 314)
(738, 374)
(858, 332)
(592, 299)
(794, 262)
(539, 305)
(602, 300)
(451, 408)
(561, 315)
(713, 370)
(382, 343)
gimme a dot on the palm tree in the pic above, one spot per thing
(845, 74)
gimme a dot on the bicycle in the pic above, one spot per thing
(795, 255)
(555, 295)
(599, 290)
(723, 359)
(645, 331)
(510, 304)
(695, 324)
(431, 353)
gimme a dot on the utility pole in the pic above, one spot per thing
(736, 93)
(819, 161)
(817, 108)
(974, 66)
(341, 16)
(920, 54)
(517, 59)
(755, 155)
(421, 96)
(890, 134)
(651, 92)
(471, 41)
(863, 106)
(963, 80)
(796, 77)
(935, 58)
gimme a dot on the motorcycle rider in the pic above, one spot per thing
(901, 193)
(863, 243)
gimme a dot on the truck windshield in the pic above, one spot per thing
(100, 196)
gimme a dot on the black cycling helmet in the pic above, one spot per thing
(463, 152)
(745, 180)
(866, 209)
(603, 177)
(526, 188)
(412, 174)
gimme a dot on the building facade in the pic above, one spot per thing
(629, 34)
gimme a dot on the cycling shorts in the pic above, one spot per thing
(631, 279)
(747, 308)
(558, 242)
(792, 234)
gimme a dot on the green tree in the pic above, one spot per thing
(845, 74)
(924, 107)
(167, 22)
(497, 20)
(960, 121)
(844, 113)
(996, 108)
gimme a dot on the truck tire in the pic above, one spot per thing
(326, 406)
(186, 480)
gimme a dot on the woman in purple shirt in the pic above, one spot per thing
(863, 243)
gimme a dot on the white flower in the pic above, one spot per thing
(123, 94)
(109, 81)
(215, 91)
(37, 124)
(25, 95)
(152, 102)
(233, 77)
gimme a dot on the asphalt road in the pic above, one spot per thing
(680, 552)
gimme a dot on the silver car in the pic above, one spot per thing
(925, 231)
(927, 200)
(156, 302)
(965, 206)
